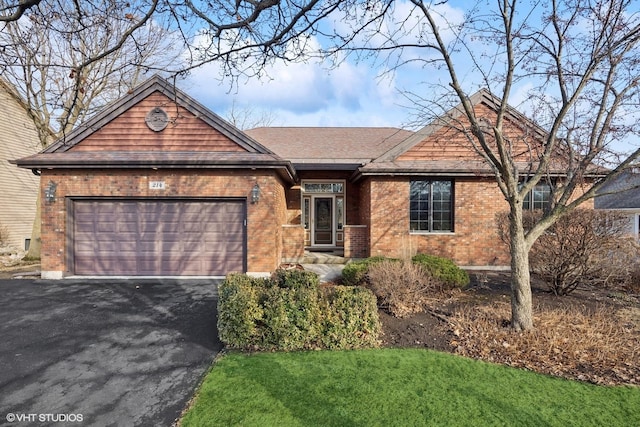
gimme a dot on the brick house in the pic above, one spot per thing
(157, 184)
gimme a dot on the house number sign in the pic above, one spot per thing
(156, 185)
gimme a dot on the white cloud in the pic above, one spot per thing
(311, 94)
(305, 94)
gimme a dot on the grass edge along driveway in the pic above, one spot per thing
(403, 387)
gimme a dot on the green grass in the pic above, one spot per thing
(398, 388)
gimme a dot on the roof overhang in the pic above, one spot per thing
(308, 166)
(476, 169)
(158, 160)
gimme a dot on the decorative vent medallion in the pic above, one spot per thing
(157, 119)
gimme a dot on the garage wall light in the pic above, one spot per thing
(50, 192)
(255, 194)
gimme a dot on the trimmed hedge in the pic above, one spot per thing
(350, 318)
(289, 311)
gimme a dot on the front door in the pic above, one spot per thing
(322, 231)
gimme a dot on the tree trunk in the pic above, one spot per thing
(521, 301)
(36, 241)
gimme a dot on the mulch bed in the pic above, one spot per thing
(590, 335)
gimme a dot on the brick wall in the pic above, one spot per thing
(264, 219)
(474, 241)
(293, 242)
(356, 241)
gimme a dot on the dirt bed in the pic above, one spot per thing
(590, 335)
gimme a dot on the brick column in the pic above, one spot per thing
(292, 243)
(356, 243)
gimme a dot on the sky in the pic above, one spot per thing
(352, 93)
(311, 94)
(307, 94)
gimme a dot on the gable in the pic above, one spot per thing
(185, 131)
(451, 140)
(157, 126)
(183, 112)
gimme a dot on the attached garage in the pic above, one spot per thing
(151, 237)
(158, 185)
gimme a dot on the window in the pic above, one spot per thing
(538, 198)
(431, 206)
(306, 211)
(318, 187)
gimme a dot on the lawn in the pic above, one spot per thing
(397, 387)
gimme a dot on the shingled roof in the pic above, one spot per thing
(332, 147)
(620, 193)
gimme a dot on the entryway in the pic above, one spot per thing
(323, 213)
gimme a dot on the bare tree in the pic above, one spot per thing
(64, 60)
(581, 60)
(13, 10)
(249, 117)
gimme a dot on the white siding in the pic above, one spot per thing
(18, 187)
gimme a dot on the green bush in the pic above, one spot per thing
(443, 269)
(239, 310)
(355, 273)
(350, 318)
(295, 279)
(291, 318)
(289, 311)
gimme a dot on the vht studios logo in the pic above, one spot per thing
(44, 418)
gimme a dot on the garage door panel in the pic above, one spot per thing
(177, 237)
(90, 265)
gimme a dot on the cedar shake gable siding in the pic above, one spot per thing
(185, 132)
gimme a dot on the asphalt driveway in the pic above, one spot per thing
(115, 353)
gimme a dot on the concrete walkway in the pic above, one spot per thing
(327, 272)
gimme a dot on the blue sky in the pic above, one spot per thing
(307, 94)
(311, 94)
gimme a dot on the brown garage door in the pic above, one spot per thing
(158, 237)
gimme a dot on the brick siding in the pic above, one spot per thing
(264, 219)
(356, 241)
(474, 241)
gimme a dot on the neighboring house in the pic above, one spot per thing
(157, 184)
(18, 138)
(623, 195)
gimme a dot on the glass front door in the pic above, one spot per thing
(323, 221)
